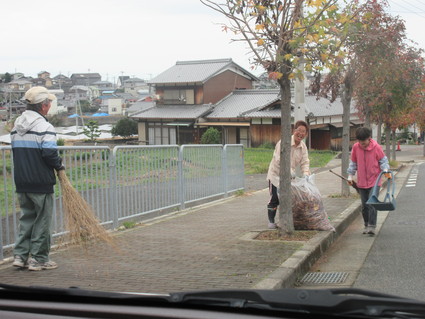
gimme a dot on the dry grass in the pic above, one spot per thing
(80, 220)
(298, 235)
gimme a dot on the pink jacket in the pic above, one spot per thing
(368, 163)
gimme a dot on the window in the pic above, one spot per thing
(244, 136)
(161, 134)
(179, 96)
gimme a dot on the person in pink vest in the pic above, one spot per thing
(368, 160)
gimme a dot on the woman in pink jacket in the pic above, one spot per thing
(368, 160)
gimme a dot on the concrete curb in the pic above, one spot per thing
(287, 274)
(302, 260)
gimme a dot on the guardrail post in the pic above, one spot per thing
(224, 170)
(181, 186)
(113, 191)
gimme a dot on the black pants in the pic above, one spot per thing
(273, 203)
(369, 212)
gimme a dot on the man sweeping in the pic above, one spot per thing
(35, 159)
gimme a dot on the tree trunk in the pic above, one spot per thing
(379, 132)
(285, 198)
(393, 155)
(387, 141)
(346, 94)
(367, 116)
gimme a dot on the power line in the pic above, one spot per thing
(421, 3)
(414, 6)
(410, 8)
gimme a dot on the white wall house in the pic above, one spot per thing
(114, 106)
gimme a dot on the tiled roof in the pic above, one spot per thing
(242, 104)
(255, 104)
(85, 75)
(323, 107)
(197, 71)
(174, 112)
(239, 102)
(275, 114)
(139, 107)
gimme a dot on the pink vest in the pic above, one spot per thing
(367, 161)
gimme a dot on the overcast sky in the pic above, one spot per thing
(129, 37)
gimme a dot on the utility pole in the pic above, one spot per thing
(299, 90)
(299, 96)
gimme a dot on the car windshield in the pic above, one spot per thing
(185, 146)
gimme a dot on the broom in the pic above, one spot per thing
(80, 220)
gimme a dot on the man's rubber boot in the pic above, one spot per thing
(271, 212)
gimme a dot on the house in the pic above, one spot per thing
(252, 118)
(121, 80)
(325, 119)
(195, 95)
(184, 93)
(134, 85)
(86, 79)
(110, 103)
(20, 85)
(43, 79)
(18, 75)
(115, 106)
(82, 92)
(103, 85)
(62, 82)
(15, 90)
(235, 116)
(139, 106)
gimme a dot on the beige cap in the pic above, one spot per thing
(38, 94)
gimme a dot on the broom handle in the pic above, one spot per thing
(354, 184)
(344, 178)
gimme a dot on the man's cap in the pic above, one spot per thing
(38, 94)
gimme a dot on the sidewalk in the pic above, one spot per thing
(206, 247)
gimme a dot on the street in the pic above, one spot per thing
(395, 264)
(390, 262)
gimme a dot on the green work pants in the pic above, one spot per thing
(34, 226)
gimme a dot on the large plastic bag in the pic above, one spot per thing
(307, 206)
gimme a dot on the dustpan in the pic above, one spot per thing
(389, 202)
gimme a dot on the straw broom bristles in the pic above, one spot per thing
(80, 220)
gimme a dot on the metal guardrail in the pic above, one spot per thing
(131, 182)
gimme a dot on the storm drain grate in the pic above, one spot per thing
(324, 278)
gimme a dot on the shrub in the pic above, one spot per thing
(125, 128)
(91, 130)
(211, 136)
(60, 142)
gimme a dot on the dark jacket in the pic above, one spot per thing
(35, 153)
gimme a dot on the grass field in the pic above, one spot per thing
(257, 159)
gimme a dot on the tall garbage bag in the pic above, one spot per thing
(307, 206)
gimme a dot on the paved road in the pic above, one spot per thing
(395, 263)
(392, 261)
